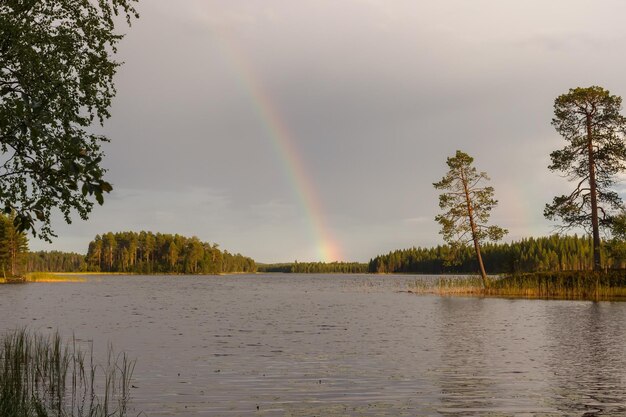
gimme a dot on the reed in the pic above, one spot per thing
(52, 277)
(586, 285)
(42, 377)
(461, 285)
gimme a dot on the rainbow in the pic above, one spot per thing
(283, 142)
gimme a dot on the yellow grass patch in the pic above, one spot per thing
(53, 277)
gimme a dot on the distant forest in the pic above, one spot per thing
(316, 268)
(54, 261)
(146, 252)
(553, 253)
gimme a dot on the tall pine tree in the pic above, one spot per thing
(589, 120)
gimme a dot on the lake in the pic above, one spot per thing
(337, 345)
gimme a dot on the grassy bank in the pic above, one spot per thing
(42, 277)
(53, 277)
(585, 285)
(50, 277)
(40, 376)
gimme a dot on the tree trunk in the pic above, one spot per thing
(14, 259)
(470, 214)
(597, 265)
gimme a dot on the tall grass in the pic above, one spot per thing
(43, 277)
(459, 285)
(587, 285)
(42, 377)
(52, 277)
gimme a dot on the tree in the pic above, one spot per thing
(56, 81)
(172, 256)
(467, 205)
(110, 246)
(616, 247)
(13, 246)
(94, 253)
(589, 120)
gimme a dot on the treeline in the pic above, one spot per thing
(146, 253)
(553, 253)
(55, 261)
(316, 268)
(15, 259)
(13, 246)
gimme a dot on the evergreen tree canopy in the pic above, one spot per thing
(55, 261)
(316, 268)
(56, 81)
(589, 120)
(553, 253)
(467, 204)
(146, 252)
(13, 247)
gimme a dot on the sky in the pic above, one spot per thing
(312, 130)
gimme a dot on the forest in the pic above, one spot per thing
(54, 261)
(126, 252)
(553, 253)
(316, 268)
(147, 253)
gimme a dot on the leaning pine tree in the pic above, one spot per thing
(467, 204)
(589, 120)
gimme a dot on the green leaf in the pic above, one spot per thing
(106, 187)
(40, 215)
(61, 54)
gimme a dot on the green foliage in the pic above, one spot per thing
(13, 247)
(146, 252)
(589, 120)
(554, 253)
(56, 82)
(316, 268)
(465, 197)
(466, 203)
(55, 261)
(616, 246)
(608, 153)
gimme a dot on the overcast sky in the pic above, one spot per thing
(372, 96)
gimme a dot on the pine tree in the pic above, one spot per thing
(589, 120)
(13, 246)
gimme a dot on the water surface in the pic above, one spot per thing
(337, 345)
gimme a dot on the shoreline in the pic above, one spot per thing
(563, 285)
(53, 277)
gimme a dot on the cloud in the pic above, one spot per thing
(376, 94)
(421, 219)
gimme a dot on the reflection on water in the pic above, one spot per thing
(491, 358)
(587, 359)
(277, 345)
